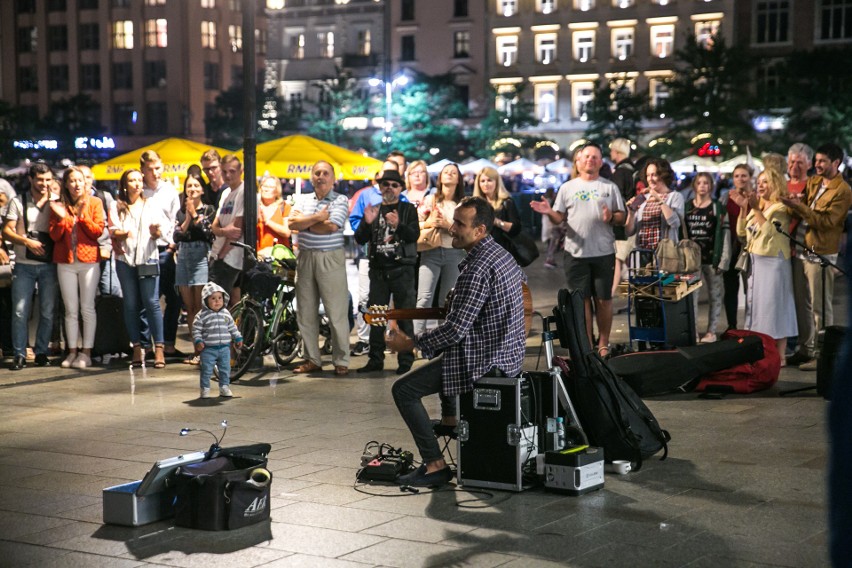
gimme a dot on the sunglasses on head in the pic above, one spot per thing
(391, 184)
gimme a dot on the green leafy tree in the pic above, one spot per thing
(425, 114)
(708, 93)
(337, 100)
(72, 117)
(818, 97)
(225, 125)
(517, 113)
(615, 112)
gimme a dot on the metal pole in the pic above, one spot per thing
(386, 72)
(250, 124)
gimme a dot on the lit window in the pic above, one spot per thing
(507, 7)
(297, 46)
(507, 50)
(545, 102)
(326, 44)
(156, 34)
(461, 44)
(772, 21)
(155, 2)
(122, 34)
(208, 34)
(260, 41)
(835, 19)
(209, 3)
(545, 48)
(622, 43)
(662, 40)
(659, 92)
(704, 32)
(365, 42)
(584, 5)
(661, 2)
(235, 38)
(582, 94)
(584, 45)
(506, 98)
(623, 3)
(546, 6)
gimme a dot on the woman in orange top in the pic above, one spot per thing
(272, 214)
(76, 223)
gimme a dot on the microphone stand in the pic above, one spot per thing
(824, 264)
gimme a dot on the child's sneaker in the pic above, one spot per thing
(225, 391)
(205, 393)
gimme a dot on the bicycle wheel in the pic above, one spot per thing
(250, 325)
(285, 347)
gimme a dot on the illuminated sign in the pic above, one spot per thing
(102, 143)
(35, 144)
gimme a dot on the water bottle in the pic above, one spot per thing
(560, 433)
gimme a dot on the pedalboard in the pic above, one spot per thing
(386, 465)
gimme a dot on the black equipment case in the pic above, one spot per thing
(227, 491)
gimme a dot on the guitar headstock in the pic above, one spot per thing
(376, 315)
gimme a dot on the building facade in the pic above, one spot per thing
(153, 67)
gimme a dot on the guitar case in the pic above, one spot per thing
(611, 413)
(652, 373)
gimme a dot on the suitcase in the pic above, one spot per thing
(111, 333)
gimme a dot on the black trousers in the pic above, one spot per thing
(399, 283)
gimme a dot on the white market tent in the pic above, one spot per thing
(520, 166)
(695, 164)
(728, 166)
(476, 166)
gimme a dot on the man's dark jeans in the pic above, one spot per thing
(398, 282)
(408, 393)
(173, 302)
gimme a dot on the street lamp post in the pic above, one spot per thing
(400, 80)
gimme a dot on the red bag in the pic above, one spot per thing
(747, 377)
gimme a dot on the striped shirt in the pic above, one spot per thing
(338, 212)
(484, 327)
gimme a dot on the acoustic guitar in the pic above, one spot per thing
(380, 315)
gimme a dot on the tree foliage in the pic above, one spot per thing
(708, 93)
(615, 112)
(516, 112)
(225, 126)
(337, 99)
(425, 114)
(818, 96)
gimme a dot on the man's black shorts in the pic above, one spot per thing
(592, 276)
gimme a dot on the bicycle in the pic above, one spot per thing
(266, 312)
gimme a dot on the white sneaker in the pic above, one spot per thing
(68, 361)
(82, 361)
(225, 391)
(205, 393)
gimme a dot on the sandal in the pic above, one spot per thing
(138, 357)
(603, 351)
(159, 357)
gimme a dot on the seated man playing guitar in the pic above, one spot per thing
(483, 332)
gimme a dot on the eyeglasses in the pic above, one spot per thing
(210, 168)
(391, 184)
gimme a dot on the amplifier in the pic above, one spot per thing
(498, 438)
(574, 472)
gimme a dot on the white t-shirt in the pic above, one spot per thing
(165, 197)
(582, 202)
(37, 220)
(230, 208)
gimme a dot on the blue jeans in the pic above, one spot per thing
(408, 392)
(213, 355)
(166, 288)
(140, 293)
(23, 284)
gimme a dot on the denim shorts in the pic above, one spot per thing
(191, 267)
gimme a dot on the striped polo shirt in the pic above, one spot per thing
(338, 211)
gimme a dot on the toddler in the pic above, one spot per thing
(212, 333)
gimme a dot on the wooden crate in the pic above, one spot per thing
(674, 291)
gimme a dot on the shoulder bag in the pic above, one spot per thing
(41, 236)
(681, 258)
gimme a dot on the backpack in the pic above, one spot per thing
(610, 413)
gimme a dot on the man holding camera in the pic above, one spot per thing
(26, 227)
(391, 229)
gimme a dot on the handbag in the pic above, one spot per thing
(147, 269)
(681, 258)
(523, 249)
(430, 238)
(743, 263)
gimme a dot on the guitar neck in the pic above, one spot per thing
(410, 314)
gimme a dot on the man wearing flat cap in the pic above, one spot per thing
(391, 229)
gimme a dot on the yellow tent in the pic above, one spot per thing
(291, 157)
(177, 154)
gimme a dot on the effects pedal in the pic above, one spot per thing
(387, 465)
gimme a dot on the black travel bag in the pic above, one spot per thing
(227, 491)
(610, 412)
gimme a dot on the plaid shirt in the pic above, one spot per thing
(484, 327)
